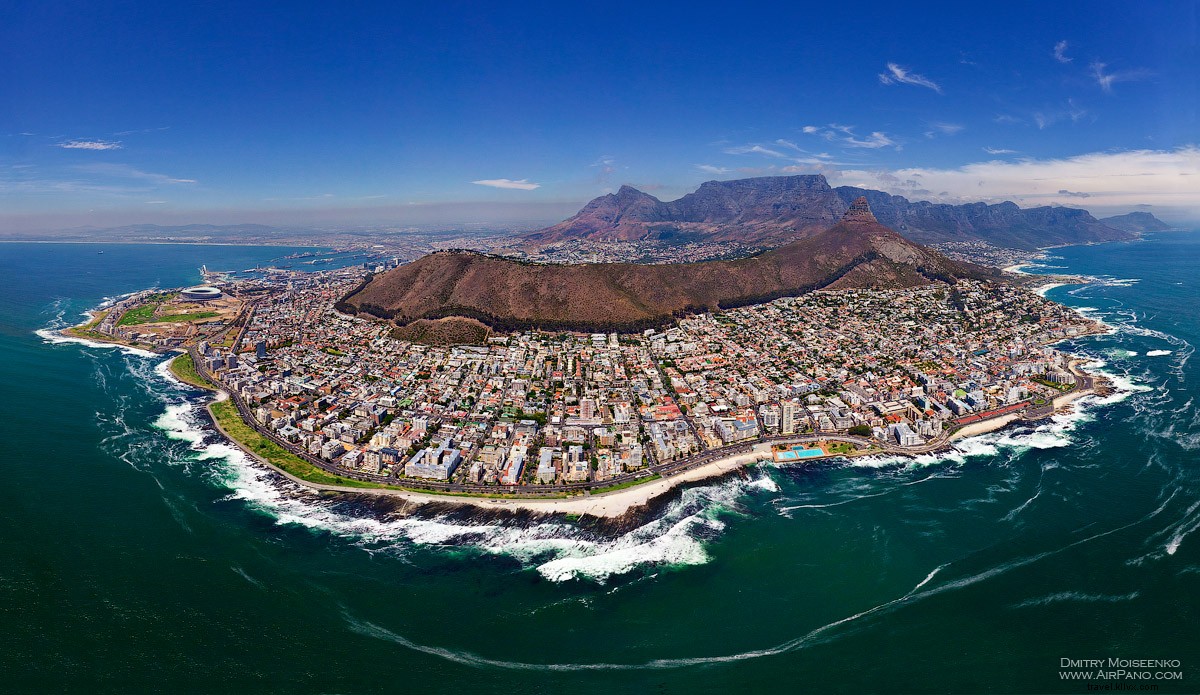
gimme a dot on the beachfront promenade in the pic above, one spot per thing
(657, 469)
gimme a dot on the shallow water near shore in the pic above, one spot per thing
(141, 551)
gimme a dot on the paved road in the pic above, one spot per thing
(663, 469)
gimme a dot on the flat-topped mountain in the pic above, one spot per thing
(1137, 222)
(857, 252)
(773, 210)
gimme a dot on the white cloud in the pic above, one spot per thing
(1107, 79)
(901, 75)
(711, 169)
(998, 150)
(1048, 117)
(125, 171)
(944, 129)
(845, 134)
(1060, 52)
(873, 141)
(90, 145)
(754, 149)
(519, 184)
(1166, 179)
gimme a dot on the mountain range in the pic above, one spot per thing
(773, 210)
(507, 294)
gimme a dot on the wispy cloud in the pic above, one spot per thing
(1060, 52)
(897, 74)
(711, 169)
(1106, 80)
(90, 145)
(943, 129)
(604, 168)
(519, 184)
(124, 171)
(845, 134)
(755, 149)
(1073, 194)
(998, 150)
(1048, 117)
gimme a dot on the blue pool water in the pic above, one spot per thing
(793, 454)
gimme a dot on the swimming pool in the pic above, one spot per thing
(793, 454)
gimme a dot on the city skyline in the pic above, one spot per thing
(406, 116)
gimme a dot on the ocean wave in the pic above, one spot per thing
(53, 336)
(559, 551)
(819, 635)
(1075, 596)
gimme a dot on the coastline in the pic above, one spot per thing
(616, 503)
(127, 242)
(605, 505)
(608, 504)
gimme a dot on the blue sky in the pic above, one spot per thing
(390, 113)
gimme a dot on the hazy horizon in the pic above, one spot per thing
(435, 115)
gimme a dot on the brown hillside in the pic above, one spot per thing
(508, 294)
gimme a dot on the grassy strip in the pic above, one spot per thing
(96, 319)
(626, 484)
(227, 416)
(185, 370)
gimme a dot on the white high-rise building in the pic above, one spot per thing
(787, 417)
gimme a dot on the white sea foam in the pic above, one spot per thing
(558, 551)
(1075, 596)
(765, 483)
(1043, 289)
(54, 337)
(1158, 353)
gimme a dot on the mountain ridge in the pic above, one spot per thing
(506, 294)
(771, 211)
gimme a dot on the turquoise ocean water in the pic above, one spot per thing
(140, 553)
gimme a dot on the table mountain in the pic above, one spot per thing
(773, 210)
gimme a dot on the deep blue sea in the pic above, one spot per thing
(140, 553)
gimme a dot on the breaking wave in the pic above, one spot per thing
(557, 550)
(1075, 596)
(52, 333)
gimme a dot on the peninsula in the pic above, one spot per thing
(852, 342)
